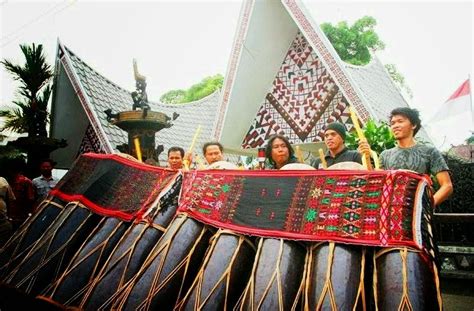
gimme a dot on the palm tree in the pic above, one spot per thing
(30, 116)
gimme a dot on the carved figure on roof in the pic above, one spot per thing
(140, 98)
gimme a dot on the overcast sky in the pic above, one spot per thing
(177, 43)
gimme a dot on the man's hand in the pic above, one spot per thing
(187, 160)
(364, 147)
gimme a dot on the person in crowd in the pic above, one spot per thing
(44, 183)
(410, 155)
(175, 158)
(279, 152)
(213, 152)
(24, 192)
(6, 198)
(334, 138)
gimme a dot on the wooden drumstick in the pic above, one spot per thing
(299, 155)
(360, 134)
(191, 148)
(138, 150)
(322, 158)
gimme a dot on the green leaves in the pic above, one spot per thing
(379, 136)
(34, 74)
(354, 43)
(206, 87)
(31, 113)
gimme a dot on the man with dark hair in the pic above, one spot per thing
(334, 137)
(46, 181)
(410, 155)
(23, 189)
(279, 152)
(213, 152)
(175, 158)
(411, 114)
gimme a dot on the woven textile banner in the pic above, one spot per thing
(111, 185)
(382, 208)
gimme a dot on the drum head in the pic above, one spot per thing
(347, 166)
(297, 166)
(222, 165)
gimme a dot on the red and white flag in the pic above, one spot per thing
(458, 103)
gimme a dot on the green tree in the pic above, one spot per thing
(378, 135)
(354, 43)
(30, 114)
(173, 97)
(197, 91)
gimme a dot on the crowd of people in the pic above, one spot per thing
(407, 154)
(19, 196)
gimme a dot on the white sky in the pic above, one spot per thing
(177, 43)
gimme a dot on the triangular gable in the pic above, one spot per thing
(82, 95)
(285, 77)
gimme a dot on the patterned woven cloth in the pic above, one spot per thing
(382, 208)
(111, 185)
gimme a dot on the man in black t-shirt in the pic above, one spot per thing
(334, 137)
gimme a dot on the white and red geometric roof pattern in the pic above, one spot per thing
(97, 93)
(302, 100)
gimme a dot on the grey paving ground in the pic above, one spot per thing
(458, 295)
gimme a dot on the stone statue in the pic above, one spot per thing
(140, 98)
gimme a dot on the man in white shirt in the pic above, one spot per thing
(45, 182)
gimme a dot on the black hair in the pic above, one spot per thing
(411, 114)
(173, 149)
(50, 161)
(212, 143)
(268, 148)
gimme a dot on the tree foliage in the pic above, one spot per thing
(30, 114)
(379, 136)
(197, 91)
(353, 43)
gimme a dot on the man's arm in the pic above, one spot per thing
(445, 189)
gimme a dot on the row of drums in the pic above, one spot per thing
(190, 266)
(70, 255)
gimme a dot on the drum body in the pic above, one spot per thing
(28, 234)
(223, 275)
(335, 277)
(124, 262)
(130, 253)
(169, 269)
(405, 280)
(277, 276)
(87, 262)
(49, 256)
(347, 165)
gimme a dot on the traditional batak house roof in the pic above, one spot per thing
(81, 96)
(283, 77)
